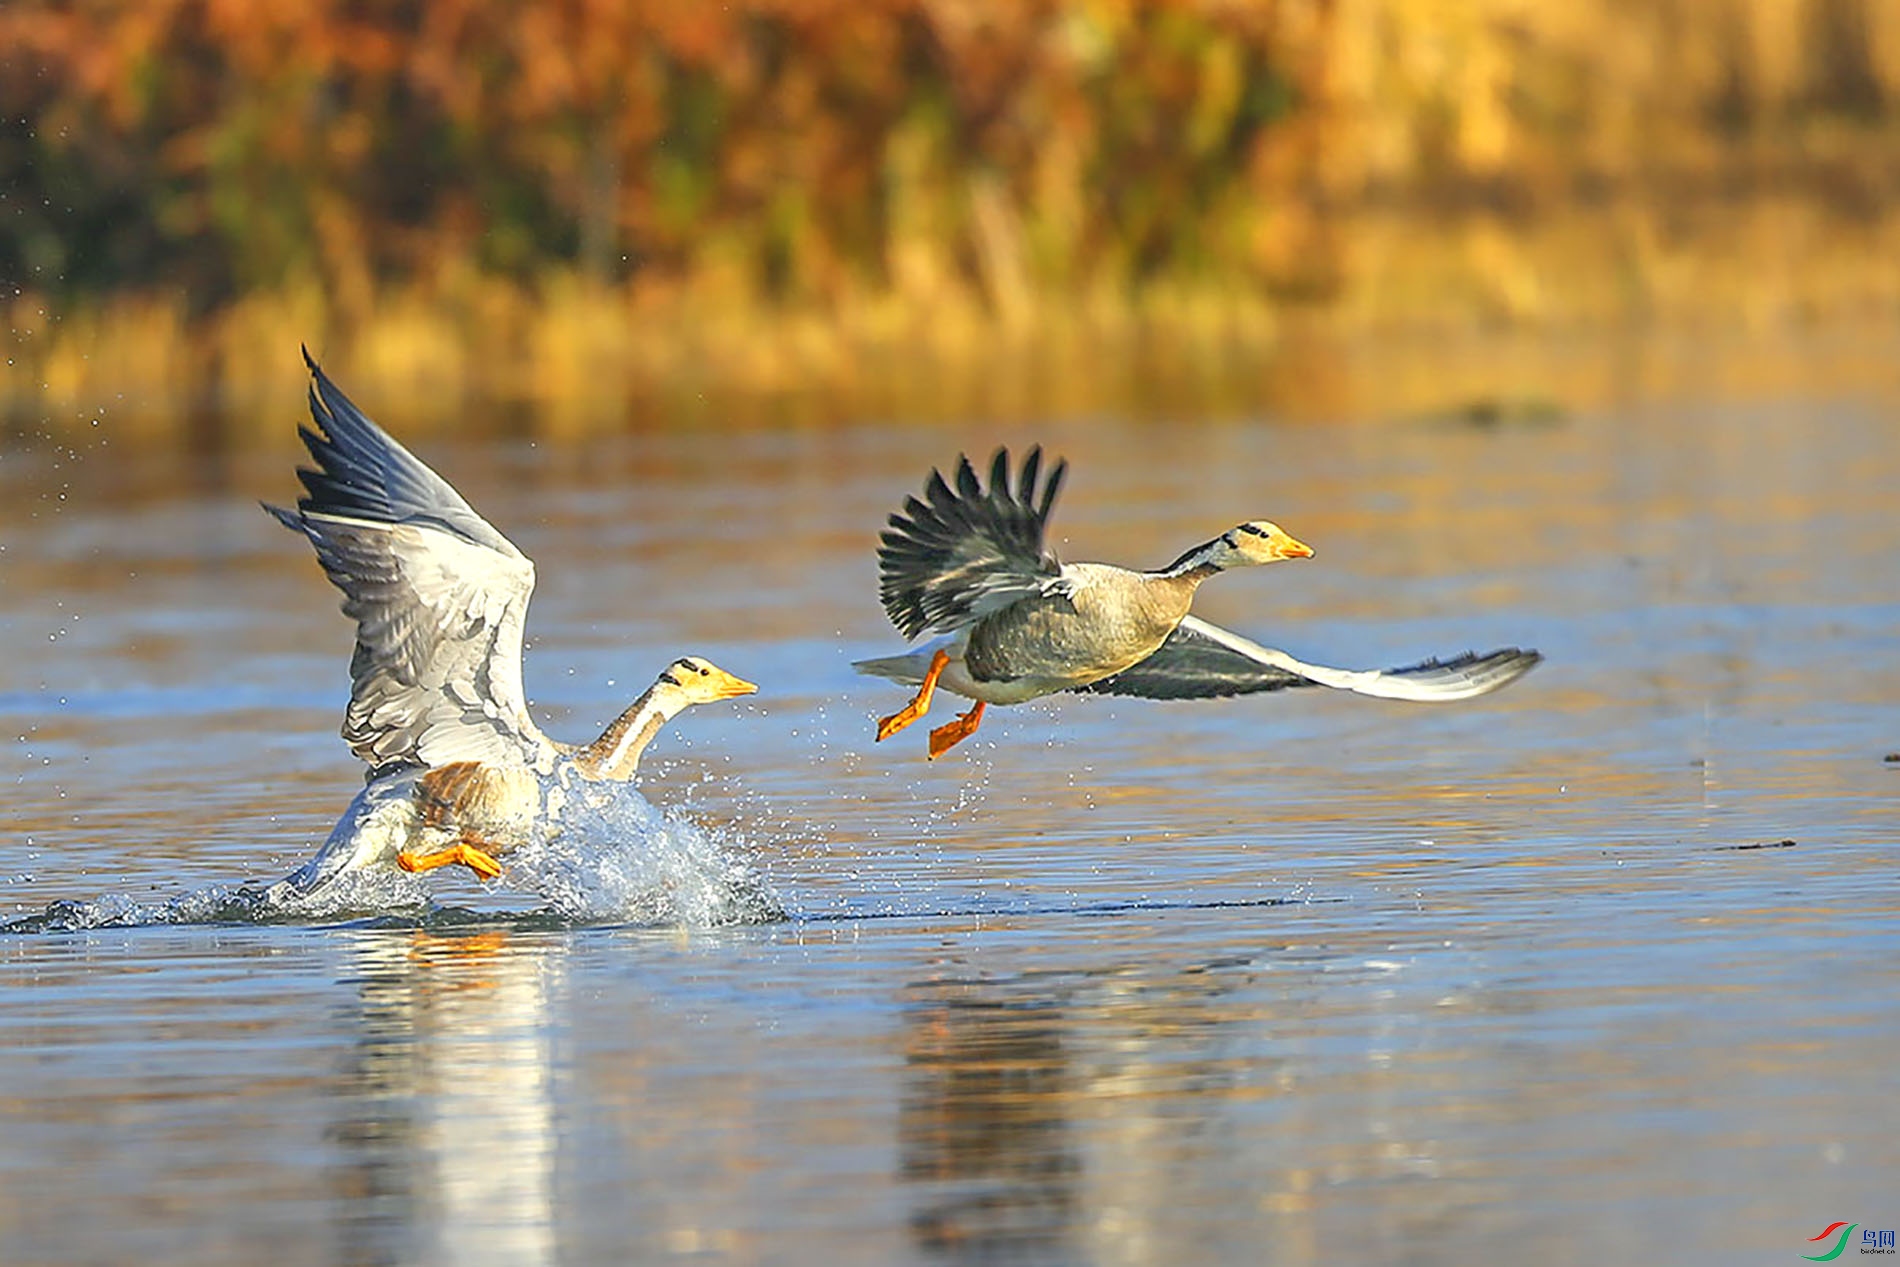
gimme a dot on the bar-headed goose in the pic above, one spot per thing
(970, 563)
(436, 705)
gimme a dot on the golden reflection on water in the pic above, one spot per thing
(448, 1145)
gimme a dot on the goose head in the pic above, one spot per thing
(1257, 541)
(1244, 545)
(693, 680)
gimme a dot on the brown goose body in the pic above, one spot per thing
(1110, 619)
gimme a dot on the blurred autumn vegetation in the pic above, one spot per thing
(579, 203)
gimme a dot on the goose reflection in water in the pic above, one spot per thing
(1003, 1130)
(1142, 1114)
(449, 1143)
(1041, 1116)
(984, 1121)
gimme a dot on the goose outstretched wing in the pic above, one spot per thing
(959, 554)
(439, 597)
(1204, 661)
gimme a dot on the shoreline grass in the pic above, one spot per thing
(573, 356)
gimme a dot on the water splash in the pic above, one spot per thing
(608, 856)
(614, 856)
(217, 904)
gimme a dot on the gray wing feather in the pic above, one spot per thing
(1203, 661)
(957, 555)
(363, 473)
(439, 597)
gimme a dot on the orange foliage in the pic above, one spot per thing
(212, 157)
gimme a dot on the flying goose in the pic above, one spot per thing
(436, 705)
(1017, 623)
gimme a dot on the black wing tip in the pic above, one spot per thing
(963, 483)
(1052, 486)
(336, 415)
(1489, 671)
(1026, 481)
(1527, 656)
(1507, 663)
(351, 454)
(321, 401)
(322, 388)
(291, 519)
(327, 400)
(322, 385)
(1495, 670)
(1517, 661)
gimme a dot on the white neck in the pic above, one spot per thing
(1206, 559)
(616, 754)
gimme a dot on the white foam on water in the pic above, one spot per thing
(605, 855)
(380, 890)
(610, 855)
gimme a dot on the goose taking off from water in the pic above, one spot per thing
(436, 705)
(969, 563)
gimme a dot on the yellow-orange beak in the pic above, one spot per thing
(726, 686)
(1285, 547)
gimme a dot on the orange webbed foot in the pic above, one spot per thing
(477, 860)
(480, 861)
(952, 733)
(919, 704)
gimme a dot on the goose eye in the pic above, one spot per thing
(705, 672)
